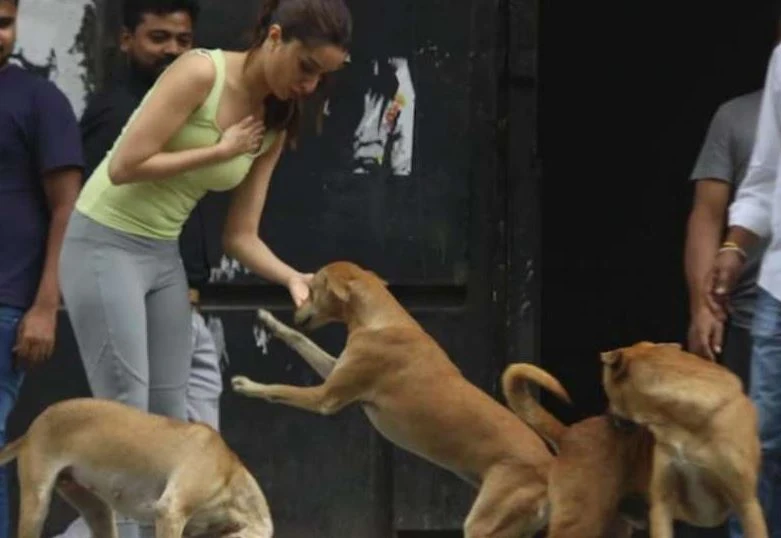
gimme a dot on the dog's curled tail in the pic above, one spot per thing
(515, 386)
(11, 450)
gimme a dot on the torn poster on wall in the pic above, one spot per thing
(384, 136)
(50, 42)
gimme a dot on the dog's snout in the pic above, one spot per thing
(302, 316)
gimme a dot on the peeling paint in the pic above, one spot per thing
(526, 306)
(386, 130)
(262, 338)
(228, 270)
(50, 43)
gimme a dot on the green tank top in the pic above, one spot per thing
(159, 208)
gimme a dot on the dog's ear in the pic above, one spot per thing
(339, 288)
(674, 345)
(610, 358)
(617, 363)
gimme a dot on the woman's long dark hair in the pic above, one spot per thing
(314, 23)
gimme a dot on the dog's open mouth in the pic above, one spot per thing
(620, 423)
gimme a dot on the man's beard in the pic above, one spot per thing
(4, 57)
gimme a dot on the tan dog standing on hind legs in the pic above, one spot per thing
(101, 456)
(705, 432)
(416, 398)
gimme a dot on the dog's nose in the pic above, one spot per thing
(302, 318)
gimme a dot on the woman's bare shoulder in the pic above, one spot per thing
(193, 72)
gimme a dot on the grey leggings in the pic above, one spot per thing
(127, 302)
(126, 298)
(139, 339)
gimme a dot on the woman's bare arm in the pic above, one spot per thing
(181, 89)
(240, 235)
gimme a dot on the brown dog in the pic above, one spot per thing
(706, 452)
(416, 397)
(600, 465)
(103, 456)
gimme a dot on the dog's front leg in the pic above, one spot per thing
(752, 519)
(169, 525)
(171, 520)
(314, 355)
(661, 496)
(314, 399)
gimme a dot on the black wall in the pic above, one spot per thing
(626, 94)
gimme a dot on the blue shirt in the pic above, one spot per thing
(38, 134)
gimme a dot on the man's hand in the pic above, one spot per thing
(706, 334)
(720, 282)
(35, 336)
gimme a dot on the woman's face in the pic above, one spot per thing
(293, 70)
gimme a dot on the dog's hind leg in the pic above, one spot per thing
(588, 522)
(169, 525)
(36, 482)
(98, 515)
(508, 505)
(171, 513)
(322, 362)
(578, 511)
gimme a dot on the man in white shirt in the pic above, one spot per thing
(754, 217)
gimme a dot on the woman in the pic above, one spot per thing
(214, 121)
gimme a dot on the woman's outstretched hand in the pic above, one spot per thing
(298, 286)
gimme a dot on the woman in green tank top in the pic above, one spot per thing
(214, 121)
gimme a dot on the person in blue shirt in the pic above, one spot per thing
(40, 178)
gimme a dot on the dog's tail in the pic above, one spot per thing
(11, 450)
(515, 385)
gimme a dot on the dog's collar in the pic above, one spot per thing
(621, 424)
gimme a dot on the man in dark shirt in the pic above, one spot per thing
(40, 177)
(154, 33)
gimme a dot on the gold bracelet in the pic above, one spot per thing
(733, 247)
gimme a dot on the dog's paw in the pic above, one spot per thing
(242, 384)
(268, 319)
(246, 387)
